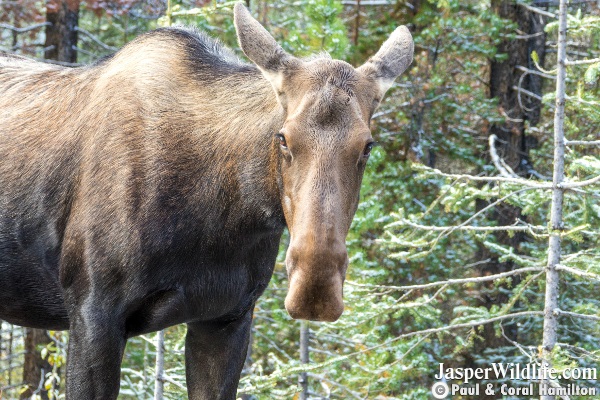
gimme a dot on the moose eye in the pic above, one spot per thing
(368, 148)
(281, 139)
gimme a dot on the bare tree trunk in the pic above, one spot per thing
(145, 365)
(35, 367)
(9, 352)
(61, 36)
(304, 358)
(160, 366)
(556, 213)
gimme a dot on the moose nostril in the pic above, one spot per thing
(338, 254)
(315, 299)
(291, 258)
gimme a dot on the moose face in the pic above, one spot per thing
(323, 148)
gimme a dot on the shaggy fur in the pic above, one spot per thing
(134, 160)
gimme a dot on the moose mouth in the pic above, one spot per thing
(316, 290)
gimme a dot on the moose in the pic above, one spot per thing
(152, 188)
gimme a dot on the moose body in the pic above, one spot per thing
(152, 189)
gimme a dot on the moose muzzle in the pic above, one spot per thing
(316, 278)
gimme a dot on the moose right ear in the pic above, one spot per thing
(392, 59)
(260, 47)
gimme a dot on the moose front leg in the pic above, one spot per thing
(96, 345)
(214, 357)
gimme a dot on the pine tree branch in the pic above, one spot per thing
(584, 352)
(577, 315)
(527, 92)
(504, 169)
(519, 292)
(535, 72)
(399, 305)
(578, 272)
(458, 326)
(537, 10)
(26, 29)
(564, 185)
(524, 182)
(451, 281)
(95, 39)
(572, 185)
(167, 378)
(521, 348)
(491, 205)
(275, 346)
(267, 381)
(346, 389)
(514, 228)
(582, 62)
(582, 142)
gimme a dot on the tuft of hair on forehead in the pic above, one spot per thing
(317, 56)
(333, 73)
(334, 83)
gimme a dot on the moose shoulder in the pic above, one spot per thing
(152, 188)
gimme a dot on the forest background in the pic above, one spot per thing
(449, 247)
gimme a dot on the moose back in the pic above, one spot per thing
(152, 189)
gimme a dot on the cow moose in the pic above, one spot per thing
(152, 189)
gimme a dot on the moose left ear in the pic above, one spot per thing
(260, 47)
(392, 59)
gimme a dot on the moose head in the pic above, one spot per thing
(322, 150)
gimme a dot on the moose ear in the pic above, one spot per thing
(394, 56)
(260, 47)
